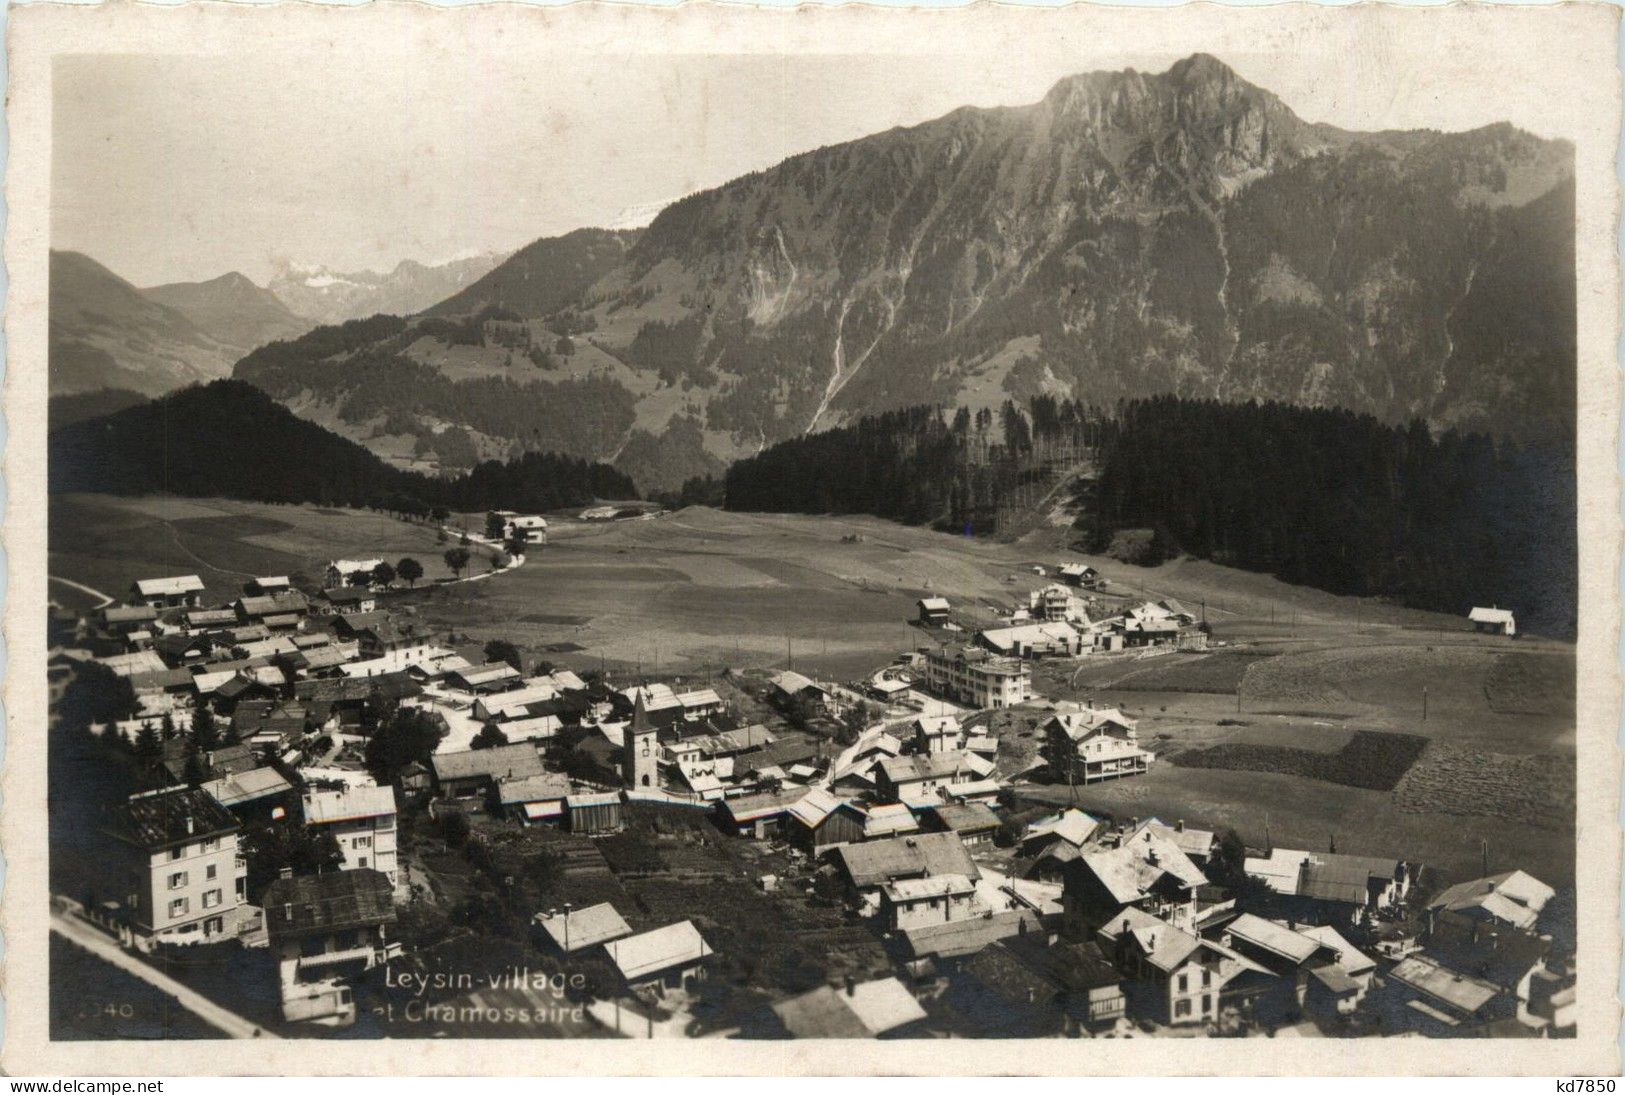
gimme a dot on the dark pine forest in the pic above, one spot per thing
(1323, 498)
(230, 439)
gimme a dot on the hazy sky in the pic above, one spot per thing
(178, 167)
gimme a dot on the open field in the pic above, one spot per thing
(1295, 675)
(107, 543)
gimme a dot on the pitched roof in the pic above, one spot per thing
(1076, 967)
(1280, 870)
(1274, 937)
(701, 697)
(817, 804)
(1163, 945)
(638, 956)
(249, 786)
(351, 566)
(966, 817)
(332, 902)
(1501, 956)
(889, 820)
(577, 929)
(1490, 616)
(931, 886)
(1005, 639)
(538, 788)
(791, 683)
(1071, 826)
(271, 604)
(160, 819)
(1512, 897)
(169, 587)
(876, 862)
(922, 766)
(961, 937)
(1129, 871)
(766, 804)
(1346, 878)
(1011, 978)
(864, 1011)
(820, 1013)
(518, 759)
(350, 804)
(1427, 976)
(1351, 958)
(128, 614)
(656, 697)
(1079, 725)
(1192, 842)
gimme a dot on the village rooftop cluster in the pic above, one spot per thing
(356, 810)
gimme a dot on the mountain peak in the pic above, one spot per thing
(1202, 68)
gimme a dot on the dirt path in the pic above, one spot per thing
(174, 534)
(83, 935)
(82, 588)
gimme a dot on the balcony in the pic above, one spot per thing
(367, 955)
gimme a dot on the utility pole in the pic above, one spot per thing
(1424, 703)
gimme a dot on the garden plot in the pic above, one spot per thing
(1466, 782)
(1372, 759)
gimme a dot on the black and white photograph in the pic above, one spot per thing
(573, 536)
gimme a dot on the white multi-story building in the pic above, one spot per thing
(977, 678)
(185, 881)
(362, 820)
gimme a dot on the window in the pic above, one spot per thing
(362, 862)
(178, 907)
(177, 880)
(211, 844)
(1207, 978)
(176, 852)
(1207, 1004)
(1182, 982)
(1182, 1008)
(385, 822)
(210, 871)
(211, 899)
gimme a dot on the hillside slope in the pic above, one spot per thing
(231, 310)
(104, 333)
(229, 439)
(1129, 235)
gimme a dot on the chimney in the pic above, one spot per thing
(191, 824)
(285, 872)
(1179, 826)
(851, 985)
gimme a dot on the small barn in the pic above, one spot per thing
(1493, 621)
(595, 812)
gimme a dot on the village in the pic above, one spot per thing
(323, 816)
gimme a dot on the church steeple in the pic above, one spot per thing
(640, 752)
